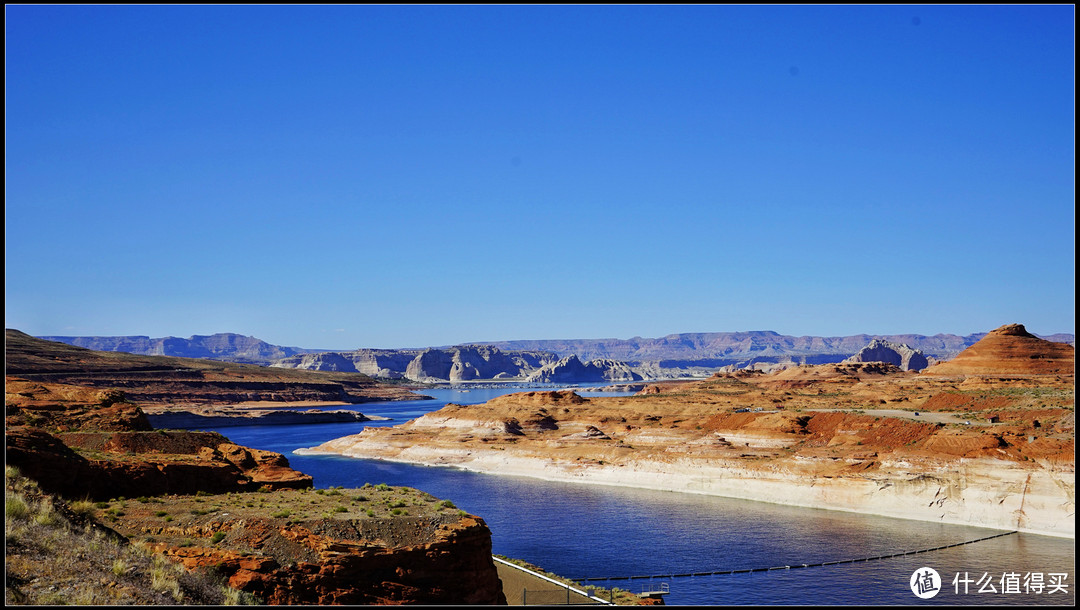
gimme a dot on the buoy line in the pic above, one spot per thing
(790, 567)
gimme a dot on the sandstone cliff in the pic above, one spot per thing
(898, 354)
(81, 442)
(865, 437)
(573, 370)
(337, 546)
(454, 364)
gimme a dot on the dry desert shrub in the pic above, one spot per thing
(56, 555)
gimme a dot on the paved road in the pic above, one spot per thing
(926, 416)
(539, 591)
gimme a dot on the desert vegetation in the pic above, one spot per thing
(56, 554)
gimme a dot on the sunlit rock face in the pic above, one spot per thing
(1010, 350)
(897, 354)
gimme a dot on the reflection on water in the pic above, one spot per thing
(587, 531)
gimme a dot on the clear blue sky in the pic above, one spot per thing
(394, 176)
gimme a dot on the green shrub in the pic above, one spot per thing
(15, 507)
(217, 537)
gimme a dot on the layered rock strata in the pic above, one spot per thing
(844, 437)
(1010, 350)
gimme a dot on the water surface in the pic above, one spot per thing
(584, 531)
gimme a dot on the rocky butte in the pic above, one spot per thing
(1010, 350)
(986, 439)
(899, 354)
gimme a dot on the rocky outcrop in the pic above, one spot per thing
(83, 442)
(450, 564)
(573, 370)
(390, 364)
(1010, 350)
(65, 407)
(898, 354)
(99, 466)
(468, 363)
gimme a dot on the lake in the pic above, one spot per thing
(582, 531)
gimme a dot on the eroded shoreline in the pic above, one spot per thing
(922, 496)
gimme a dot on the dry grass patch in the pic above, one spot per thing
(56, 555)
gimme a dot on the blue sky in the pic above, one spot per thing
(394, 176)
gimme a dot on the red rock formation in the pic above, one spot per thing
(67, 407)
(179, 464)
(453, 566)
(546, 398)
(48, 424)
(1010, 350)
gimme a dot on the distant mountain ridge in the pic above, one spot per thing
(727, 348)
(651, 355)
(229, 347)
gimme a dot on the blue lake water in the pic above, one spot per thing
(582, 531)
